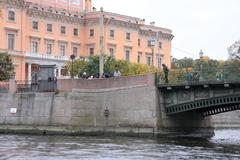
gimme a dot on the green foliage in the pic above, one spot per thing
(76, 67)
(182, 63)
(188, 63)
(208, 69)
(6, 67)
(91, 66)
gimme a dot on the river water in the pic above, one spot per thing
(224, 145)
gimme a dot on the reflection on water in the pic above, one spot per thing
(225, 145)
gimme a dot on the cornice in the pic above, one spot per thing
(17, 3)
(31, 12)
(167, 36)
(124, 24)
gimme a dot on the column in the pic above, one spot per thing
(55, 72)
(29, 71)
(59, 71)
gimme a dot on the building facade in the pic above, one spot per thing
(49, 31)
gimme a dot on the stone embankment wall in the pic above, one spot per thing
(226, 120)
(118, 110)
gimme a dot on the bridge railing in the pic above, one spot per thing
(200, 76)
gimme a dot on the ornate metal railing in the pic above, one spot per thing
(4, 87)
(37, 86)
(200, 76)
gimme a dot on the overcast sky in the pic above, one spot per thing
(210, 25)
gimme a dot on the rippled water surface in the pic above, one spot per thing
(225, 145)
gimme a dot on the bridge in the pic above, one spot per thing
(191, 96)
(206, 91)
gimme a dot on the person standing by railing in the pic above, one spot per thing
(165, 70)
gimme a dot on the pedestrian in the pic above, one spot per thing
(219, 76)
(189, 77)
(117, 73)
(165, 70)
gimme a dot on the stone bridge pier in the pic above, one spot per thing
(185, 109)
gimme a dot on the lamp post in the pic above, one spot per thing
(101, 61)
(72, 58)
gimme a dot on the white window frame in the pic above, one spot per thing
(62, 49)
(91, 33)
(14, 41)
(159, 61)
(112, 33)
(128, 54)
(11, 10)
(36, 29)
(65, 30)
(111, 51)
(73, 51)
(33, 49)
(139, 57)
(51, 27)
(128, 34)
(148, 57)
(89, 51)
(75, 28)
(49, 49)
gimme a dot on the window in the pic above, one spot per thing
(35, 25)
(91, 51)
(139, 42)
(149, 60)
(34, 47)
(63, 30)
(49, 27)
(11, 41)
(159, 45)
(49, 48)
(127, 55)
(159, 61)
(75, 31)
(75, 51)
(62, 49)
(11, 15)
(91, 32)
(111, 33)
(139, 57)
(128, 36)
(111, 52)
(149, 43)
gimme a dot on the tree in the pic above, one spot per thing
(182, 63)
(6, 67)
(91, 66)
(234, 51)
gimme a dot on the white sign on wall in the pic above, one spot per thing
(13, 110)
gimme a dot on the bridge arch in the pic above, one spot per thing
(208, 106)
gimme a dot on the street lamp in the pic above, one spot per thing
(72, 58)
(101, 61)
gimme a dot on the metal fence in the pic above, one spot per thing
(4, 87)
(200, 75)
(37, 86)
